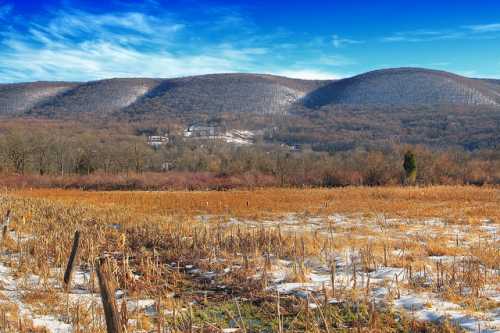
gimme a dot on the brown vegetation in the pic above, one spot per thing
(49, 155)
(220, 251)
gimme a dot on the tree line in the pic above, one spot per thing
(49, 153)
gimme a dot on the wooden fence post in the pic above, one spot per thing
(6, 222)
(108, 298)
(124, 314)
(73, 257)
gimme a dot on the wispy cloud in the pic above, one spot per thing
(423, 36)
(483, 31)
(493, 27)
(338, 41)
(124, 28)
(76, 45)
(308, 74)
(336, 60)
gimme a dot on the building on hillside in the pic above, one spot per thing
(157, 140)
(166, 166)
(202, 131)
(292, 147)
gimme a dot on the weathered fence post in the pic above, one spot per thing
(124, 314)
(6, 222)
(73, 257)
(108, 298)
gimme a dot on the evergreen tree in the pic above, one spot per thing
(410, 166)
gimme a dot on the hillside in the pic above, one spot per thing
(246, 93)
(18, 98)
(98, 97)
(231, 93)
(405, 87)
(211, 94)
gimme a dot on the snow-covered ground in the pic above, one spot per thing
(390, 284)
(12, 290)
(234, 136)
(13, 287)
(386, 284)
(239, 137)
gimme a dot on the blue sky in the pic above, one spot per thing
(77, 40)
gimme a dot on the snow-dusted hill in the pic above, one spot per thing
(18, 98)
(406, 87)
(219, 93)
(99, 97)
(245, 93)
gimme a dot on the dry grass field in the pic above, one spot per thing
(272, 260)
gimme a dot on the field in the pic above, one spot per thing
(393, 259)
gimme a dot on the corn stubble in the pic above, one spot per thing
(203, 271)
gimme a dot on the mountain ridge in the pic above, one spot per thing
(245, 93)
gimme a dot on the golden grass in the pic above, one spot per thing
(145, 232)
(455, 203)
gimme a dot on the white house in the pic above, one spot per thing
(201, 131)
(157, 140)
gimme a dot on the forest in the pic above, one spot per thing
(42, 154)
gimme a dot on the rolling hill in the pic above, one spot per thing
(246, 93)
(405, 87)
(212, 94)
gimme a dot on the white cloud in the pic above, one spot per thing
(423, 36)
(338, 41)
(308, 74)
(481, 31)
(130, 27)
(98, 60)
(335, 60)
(76, 46)
(493, 27)
(73, 45)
